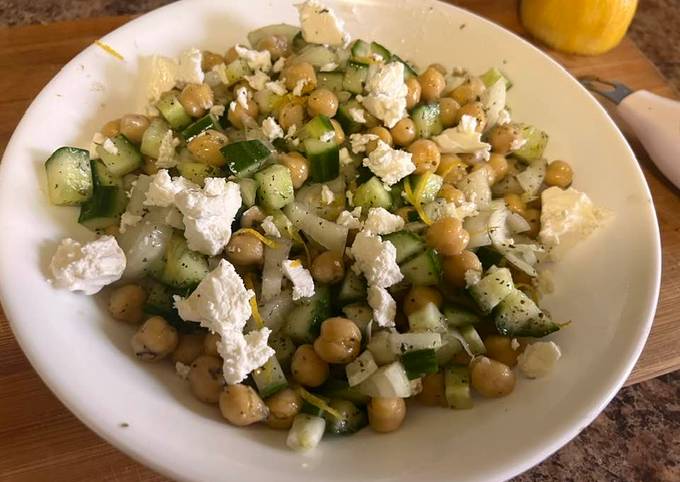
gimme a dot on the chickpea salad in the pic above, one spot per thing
(314, 230)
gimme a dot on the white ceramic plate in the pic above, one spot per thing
(608, 286)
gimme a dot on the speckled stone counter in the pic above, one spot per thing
(637, 437)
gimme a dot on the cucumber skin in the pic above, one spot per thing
(275, 187)
(82, 190)
(427, 261)
(372, 194)
(408, 244)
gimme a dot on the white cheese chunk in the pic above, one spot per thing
(463, 138)
(299, 87)
(162, 73)
(390, 165)
(258, 80)
(128, 220)
(256, 60)
(278, 65)
(387, 91)
(109, 146)
(97, 139)
(320, 25)
(277, 87)
(182, 370)
(327, 196)
(539, 359)
(269, 227)
(208, 214)
(272, 129)
(242, 98)
(350, 219)
(87, 267)
(189, 69)
(384, 306)
(360, 141)
(303, 284)
(241, 354)
(376, 259)
(166, 151)
(163, 189)
(357, 115)
(345, 158)
(381, 221)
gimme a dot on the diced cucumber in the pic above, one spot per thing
(361, 368)
(492, 288)
(274, 186)
(306, 432)
(284, 348)
(353, 288)
(380, 347)
(396, 192)
(159, 302)
(473, 340)
(457, 387)
(236, 71)
(488, 256)
(418, 363)
(344, 117)
(361, 314)
(173, 111)
(427, 318)
(408, 244)
(335, 388)
(518, 315)
(387, 382)
(492, 76)
(108, 199)
(316, 55)
(378, 49)
(304, 322)
(69, 177)
(243, 158)
(267, 101)
(364, 52)
(426, 119)
(316, 128)
(203, 124)
(299, 42)
(432, 187)
(536, 140)
(125, 158)
(330, 80)
(351, 421)
(324, 159)
(457, 316)
(361, 49)
(356, 74)
(423, 270)
(280, 30)
(182, 268)
(153, 136)
(248, 188)
(409, 71)
(372, 194)
(197, 172)
(451, 346)
(401, 343)
(269, 378)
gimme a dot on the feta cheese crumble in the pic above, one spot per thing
(270, 228)
(350, 219)
(208, 214)
(539, 359)
(243, 353)
(110, 147)
(277, 87)
(320, 25)
(327, 196)
(303, 284)
(163, 189)
(272, 129)
(381, 221)
(345, 158)
(242, 98)
(384, 306)
(189, 69)
(376, 259)
(357, 114)
(390, 165)
(360, 141)
(278, 65)
(128, 219)
(258, 80)
(387, 91)
(166, 151)
(97, 139)
(463, 138)
(87, 267)
(256, 60)
(162, 75)
(182, 370)
(299, 87)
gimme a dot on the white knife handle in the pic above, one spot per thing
(656, 122)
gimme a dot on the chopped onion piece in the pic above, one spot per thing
(330, 235)
(532, 177)
(388, 381)
(272, 274)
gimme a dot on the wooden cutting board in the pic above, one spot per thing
(41, 440)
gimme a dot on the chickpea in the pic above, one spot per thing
(419, 296)
(503, 137)
(473, 109)
(291, 114)
(307, 367)
(451, 194)
(491, 378)
(154, 340)
(339, 133)
(413, 94)
(432, 83)
(111, 128)
(209, 60)
(514, 203)
(283, 407)
(252, 216)
(298, 167)
(210, 344)
(322, 102)
(383, 135)
(206, 147)
(277, 45)
(500, 348)
(447, 236)
(189, 348)
(468, 91)
(127, 302)
(206, 378)
(302, 72)
(240, 117)
(404, 132)
(241, 405)
(448, 111)
(231, 55)
(433, 390)
(499, 166)
(451, 168)
(559, 173)
(196, 99)
(455, 266)
(328, 267)
(425, 155)
(133, 127)
(533, 217)
(438, 67)
(386, 414)
(245, 250)
(339, 341)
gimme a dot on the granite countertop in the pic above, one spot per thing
(637, 437)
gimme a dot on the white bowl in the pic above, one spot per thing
(608, 286)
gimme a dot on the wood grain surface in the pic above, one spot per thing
(41, 440)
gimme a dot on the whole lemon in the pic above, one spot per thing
(588, 27)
